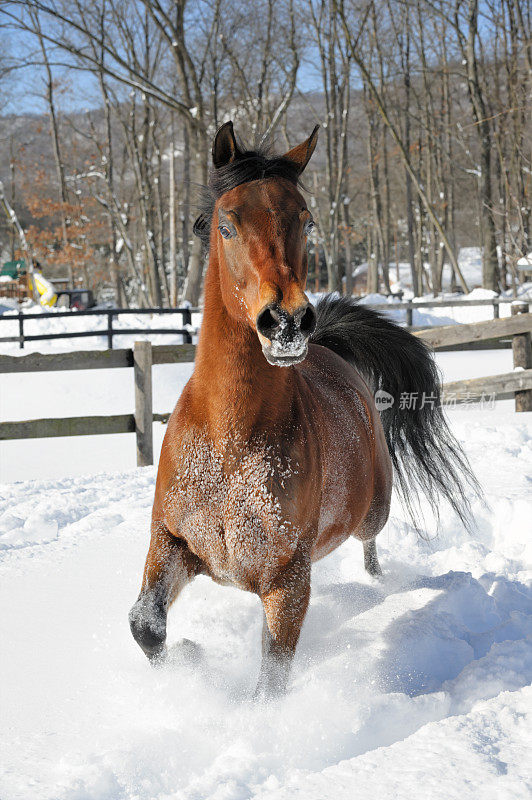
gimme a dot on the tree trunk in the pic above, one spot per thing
(194, 277)
(172, 222)
(348, 264)
(54, 130)
(409, 199)
(490, 270)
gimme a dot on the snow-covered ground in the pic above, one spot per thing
(470, 263)
(413, 687)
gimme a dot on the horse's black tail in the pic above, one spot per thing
(399, 367)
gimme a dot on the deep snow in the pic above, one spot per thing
(413, 687)
(410, 687)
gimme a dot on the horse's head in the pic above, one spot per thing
(259, 227)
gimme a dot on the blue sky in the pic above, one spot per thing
(75, 89)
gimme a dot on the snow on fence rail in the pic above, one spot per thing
(186, 314)
(143, 356)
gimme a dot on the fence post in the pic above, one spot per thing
(522, 353)
(110, 330)
(409, 316)
(21, 330)
(142, 362)
(187, 320)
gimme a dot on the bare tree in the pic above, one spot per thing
(383, 108)
(443, 159)
(335, 68)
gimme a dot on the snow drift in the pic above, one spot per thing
(410, 687)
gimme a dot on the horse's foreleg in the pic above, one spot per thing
(285, 606)
(371, 562)
(170, 565)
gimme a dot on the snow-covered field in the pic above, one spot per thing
(412, 687)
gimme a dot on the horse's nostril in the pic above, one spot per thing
(308, 321)
(267, 323)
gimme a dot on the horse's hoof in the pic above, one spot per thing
(375, 572)
(148, 627)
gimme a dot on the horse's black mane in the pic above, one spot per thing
(249, 165)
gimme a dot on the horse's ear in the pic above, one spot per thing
(224, 148)
(301, 154)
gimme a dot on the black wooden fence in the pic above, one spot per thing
(109, 331)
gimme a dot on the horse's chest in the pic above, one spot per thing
(232, 511)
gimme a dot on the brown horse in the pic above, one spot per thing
(276, 453)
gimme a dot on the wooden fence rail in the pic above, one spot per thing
(500, 386)
(93, 359)
(143, 356)
(68, 426)
(74, 426)
(450, 335)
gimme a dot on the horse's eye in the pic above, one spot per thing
(309, 227)
(224, 230)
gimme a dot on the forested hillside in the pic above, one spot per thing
(425, 141)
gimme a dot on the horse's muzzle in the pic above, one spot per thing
(284, 336)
